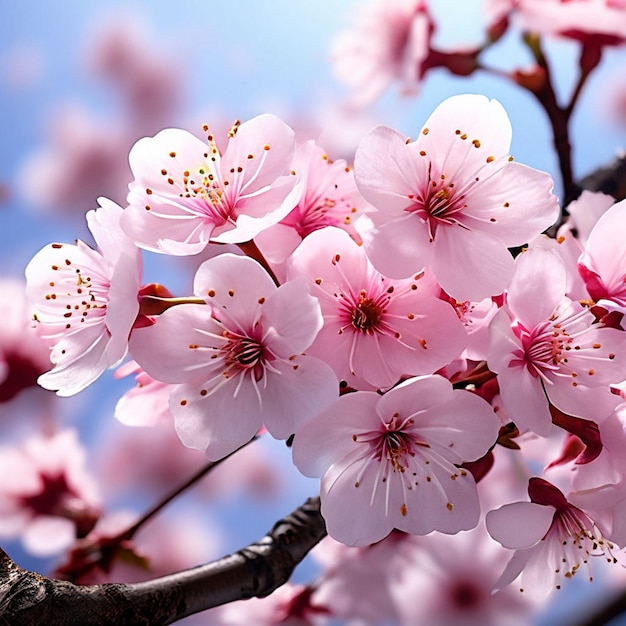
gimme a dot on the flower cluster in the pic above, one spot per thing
(401, 324)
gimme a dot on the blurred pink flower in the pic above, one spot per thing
(81, 162)
(191, 540)
(389, 42)
(239, 355)
(186, 193)
(144, 74)
(454, 576)
(289, 605)
(46, 495)
(453, 199)
(85, 301)
(24, 355)
(602, 22)
(392, 461)
(376, 330)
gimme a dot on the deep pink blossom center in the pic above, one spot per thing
(438, 204)
(544, 348)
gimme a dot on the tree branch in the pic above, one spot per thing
(255, 571)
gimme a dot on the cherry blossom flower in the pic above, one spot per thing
(599, 487)
(603, 262)
(600, 21)
(454, 575)
(186, 193)
(392, 461)
(547, 349)
(358, 583)
(23, 353)
(85, 301)
(552, 539)
(79, 161)
(328, 197)
(389, 42)
(376, 330)
(453, 199)
(238, 358)
(47, 498)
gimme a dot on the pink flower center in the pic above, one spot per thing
(367, 313)
(573, 538)
(547, 349)
(315, 214)
(544, 348)
(81, 293)
(401, 456)
(437, 204)
(241, 354)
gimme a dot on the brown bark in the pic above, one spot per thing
(255, 571)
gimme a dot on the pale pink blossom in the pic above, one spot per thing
(328, 197)
(569, 249)
(186, 193)
(239, 357)
(475, 317)
(603, 262)
(79, 162)
(23, 353)
(392, 461)
(599, 487)
(47, 497)
(452, 199)
(143, 73)
(599, 21)
(376, 330)
(85, 301)
(547, 349)
(390, 42)
(358, 583)
(453, 576)
(553, 540)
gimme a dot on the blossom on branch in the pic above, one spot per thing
(552, 539)
(237, 361)
(328, 196)
(452, 199)
(186, 193)
(85, 301)
(376, 330)
(547, 349)
(393, 461)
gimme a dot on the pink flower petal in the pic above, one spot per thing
(471, 265)
(519, 524)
